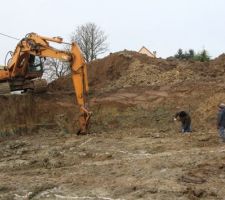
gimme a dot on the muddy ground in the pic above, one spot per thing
(134, 150)
(129, 164)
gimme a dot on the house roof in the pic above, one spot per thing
(144, 48)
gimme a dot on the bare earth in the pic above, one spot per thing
(130, 164)
(135, 149)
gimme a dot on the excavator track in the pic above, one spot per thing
(4, 88)
(39, 85)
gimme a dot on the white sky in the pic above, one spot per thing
(161, 25)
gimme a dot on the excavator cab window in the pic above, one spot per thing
(35, 64)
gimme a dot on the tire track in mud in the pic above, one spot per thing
(140, 156)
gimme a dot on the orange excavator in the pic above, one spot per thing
(24, 70)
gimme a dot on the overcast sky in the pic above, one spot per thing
(160, 25)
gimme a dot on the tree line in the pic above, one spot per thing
(192, 55)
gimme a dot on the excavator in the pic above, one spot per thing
(24, 70)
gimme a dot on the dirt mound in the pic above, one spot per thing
(127, 84)
(130, 84)
(220, 60)
(100, 71)
(61, 84)
(127, 69)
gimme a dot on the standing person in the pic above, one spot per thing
(185, 120)
(221, 121)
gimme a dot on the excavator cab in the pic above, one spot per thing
(35, 67)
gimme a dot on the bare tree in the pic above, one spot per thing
(91, 39)
(92, 42)
(55, 68)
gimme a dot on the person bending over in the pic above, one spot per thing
(185, 120)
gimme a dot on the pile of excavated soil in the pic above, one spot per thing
(127, 90)
(154, 88)
(127, 69)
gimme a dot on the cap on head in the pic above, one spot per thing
(221, 105)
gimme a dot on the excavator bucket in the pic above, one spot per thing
(84, 120)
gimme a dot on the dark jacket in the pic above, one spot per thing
(221, 118)
(185, 118)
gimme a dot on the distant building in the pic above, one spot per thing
(144, 50)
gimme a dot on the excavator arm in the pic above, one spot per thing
(80, 82)
(37, 45)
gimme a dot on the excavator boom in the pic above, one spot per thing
(17, 75)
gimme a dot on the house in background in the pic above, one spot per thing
(144, 50)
